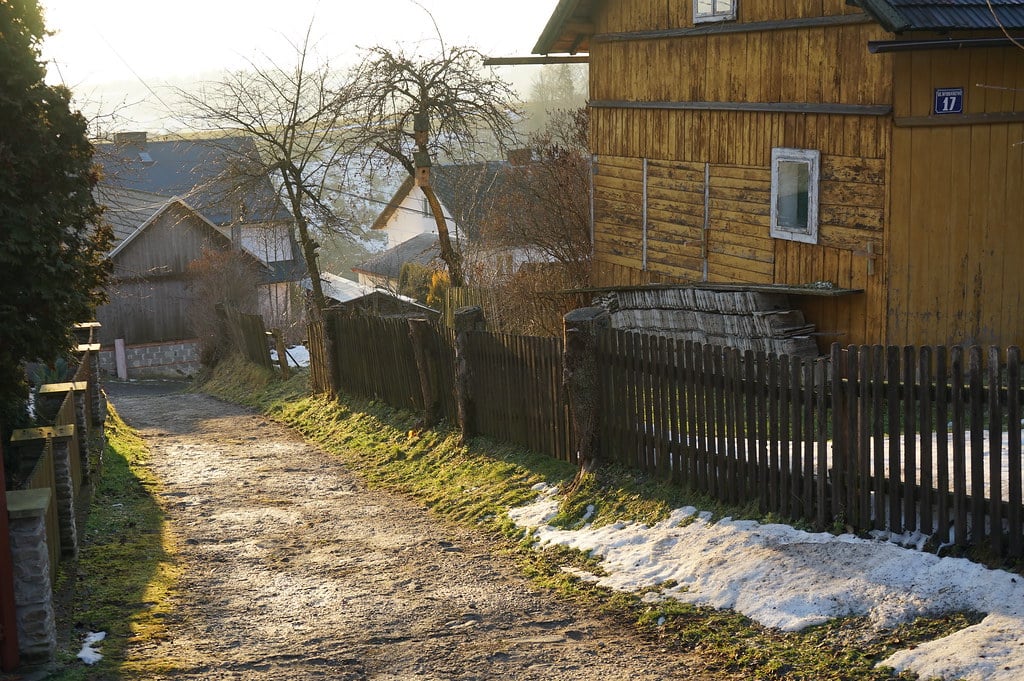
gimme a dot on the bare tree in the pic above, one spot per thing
(414, 110)
(296, 115)
(534, 250)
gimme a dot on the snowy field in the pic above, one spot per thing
(789, 579)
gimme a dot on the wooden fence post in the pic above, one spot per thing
(426, 367)
(582, 327)
(467, 319)
(282, 353)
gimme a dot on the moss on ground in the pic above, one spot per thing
(125, 574)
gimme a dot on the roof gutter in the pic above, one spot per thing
(523, 61)
(881, 46)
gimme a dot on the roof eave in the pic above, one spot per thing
(885, 14)
(555, 26)
(393, 205)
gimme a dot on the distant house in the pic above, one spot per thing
(470, 195)
(168, 202)
(384, 270)
(871, 147)
(354, 298)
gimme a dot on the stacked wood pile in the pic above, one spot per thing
(748, 320)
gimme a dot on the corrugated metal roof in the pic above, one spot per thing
(946, 15)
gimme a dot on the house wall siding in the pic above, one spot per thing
(650, 15)
(711, 168)
(956, 221)
(167, 246)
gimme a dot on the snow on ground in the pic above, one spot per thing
(791, 579)
(89, 654)
(297, 355)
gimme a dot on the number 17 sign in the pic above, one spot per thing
(949, 100)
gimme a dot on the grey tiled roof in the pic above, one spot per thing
(422, 249)
(945, 15)
(206, 173)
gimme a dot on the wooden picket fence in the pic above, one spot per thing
(248, 334)
(924, 440)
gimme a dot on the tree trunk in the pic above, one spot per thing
(451, 257)
(318, 303)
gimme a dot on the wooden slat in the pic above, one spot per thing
(909, 439)
(977, 425)
(942, 451)
(864, 479)
(892, 397)
(1013, 473)
(995, 448)
(878, 434)
(959, 447)
(926, 425)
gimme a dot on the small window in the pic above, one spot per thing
(714, 10)
(795, 194)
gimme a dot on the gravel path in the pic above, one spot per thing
(294, 570)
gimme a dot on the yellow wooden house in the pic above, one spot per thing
(872, 147)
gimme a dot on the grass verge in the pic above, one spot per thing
(475, 484)
(125, 573)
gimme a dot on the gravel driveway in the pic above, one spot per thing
(295, 570)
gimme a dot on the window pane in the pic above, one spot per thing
(794, 179)
(723, 6)
(705, 7)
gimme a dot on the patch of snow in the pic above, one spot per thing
(88, 654)
(297, 356)
(790, 579)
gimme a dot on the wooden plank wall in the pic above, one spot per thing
(146, 312)
(646, 15)
(148, 293)
(956, 222)
(830, 65)
(168, 245)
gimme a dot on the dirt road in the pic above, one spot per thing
(294, 570)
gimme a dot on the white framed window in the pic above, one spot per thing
(795, 194)
(714, 10)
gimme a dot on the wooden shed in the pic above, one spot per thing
(150, 300)
(874, 145)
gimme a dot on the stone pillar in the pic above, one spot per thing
(64, 486)
(93, 461)
(85, 436)
(33, 590)
(467, 319)
(581, 379)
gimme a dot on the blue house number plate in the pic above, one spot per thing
(949, 100)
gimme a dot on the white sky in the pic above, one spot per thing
(124, 42)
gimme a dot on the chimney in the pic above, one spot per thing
(520, 157)
(136, 138)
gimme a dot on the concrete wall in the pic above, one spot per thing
(155, 360)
